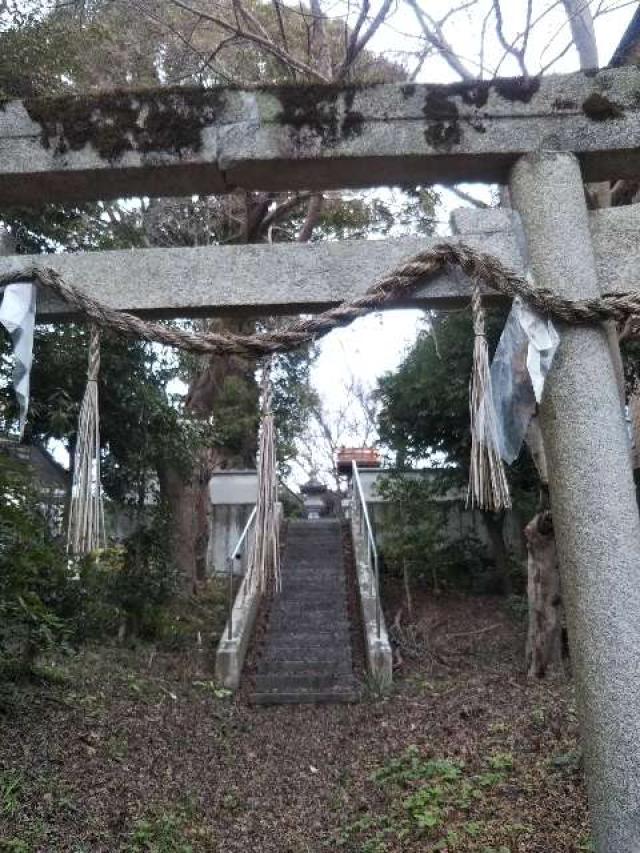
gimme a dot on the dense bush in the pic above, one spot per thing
(124, 589)
(148, 579)
(418, 537)
(33, 574)
(47, 599)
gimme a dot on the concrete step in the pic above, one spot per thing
(289, 682)
(306, 649)
(310, 697)
(294, 591)
(313, 584)
(310, 613)
(302, 665)
(318, 624)
(294, 586)
(296, 639)
(321, 568)
(307, 604)
(312, 577)
(312, 649)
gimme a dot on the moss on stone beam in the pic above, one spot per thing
(177, 141)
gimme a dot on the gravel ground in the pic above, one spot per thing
(137, 750)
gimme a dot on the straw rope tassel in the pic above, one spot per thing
(86, 516)
(488, 487)
(264, 560)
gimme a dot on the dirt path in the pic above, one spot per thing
(136, 750)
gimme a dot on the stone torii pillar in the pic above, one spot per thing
(593, 501)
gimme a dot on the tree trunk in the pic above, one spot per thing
(494, 523)
(177, 494)
(187, 493)
(544, 591)
(544, 639)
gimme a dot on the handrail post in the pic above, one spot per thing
(372, 552)
(230, 617)
(234, 555)
(378, 603)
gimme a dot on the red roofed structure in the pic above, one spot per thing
(364, 457)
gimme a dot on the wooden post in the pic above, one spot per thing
(593, 502)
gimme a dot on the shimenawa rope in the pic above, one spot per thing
(390, 290)
(487, 484)
(86, 514)
(264, 558)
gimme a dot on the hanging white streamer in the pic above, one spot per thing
(519, 369)
(18, 316)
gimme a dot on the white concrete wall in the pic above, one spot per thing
(226, 523)
(232, 496)
(460, 521)
(233, 487)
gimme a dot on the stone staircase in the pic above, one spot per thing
(306, 650)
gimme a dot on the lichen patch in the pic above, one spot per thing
(324, 111)
(599, 107)
(113, 123)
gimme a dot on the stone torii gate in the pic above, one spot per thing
(542, 137)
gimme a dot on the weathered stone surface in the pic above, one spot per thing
(252, 279)
(232, 650)
(593, 500)
(287, 278)
(182, 141)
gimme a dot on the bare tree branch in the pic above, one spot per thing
(314, 210)
(283, 34)
(476, 202)
(355, 32)
(510, 48)
(283, 209)
(320, 53)
(206, 62)
(435, 36)
(360, 45)
(583, 32)
(266, 43)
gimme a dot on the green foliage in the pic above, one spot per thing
(425, 403)
(139, 424)
(125, 587)
(424, 416)
(418, 536)
(366, 215)
(149, 579)
(170, 830)
(38, 51)
(439, 801)
(11, 785)
(293, 400)
(33, 574)
(47, 599)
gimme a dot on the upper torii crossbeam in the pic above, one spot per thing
(161, 142)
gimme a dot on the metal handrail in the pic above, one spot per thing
(235, 555)
(372, 551)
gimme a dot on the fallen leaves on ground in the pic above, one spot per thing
(139, 750)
